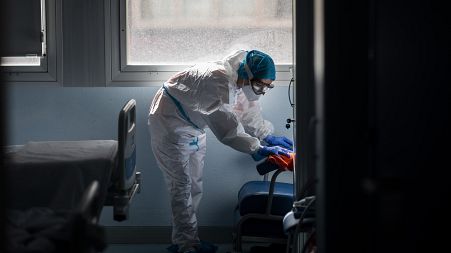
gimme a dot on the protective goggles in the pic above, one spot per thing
(261, 88)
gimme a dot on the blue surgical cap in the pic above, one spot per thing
(260, 65)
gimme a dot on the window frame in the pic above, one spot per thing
(47, 71)
(120, 74)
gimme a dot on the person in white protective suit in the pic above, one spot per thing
(222, 96)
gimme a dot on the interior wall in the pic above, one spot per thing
(79, 105)
(46, 114)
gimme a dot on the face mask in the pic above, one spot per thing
(260, 88)
(249, 93)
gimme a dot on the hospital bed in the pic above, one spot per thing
(56, 174)
(56, 189)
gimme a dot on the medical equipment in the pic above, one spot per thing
(55, 174)
(301, 220)
(290, 100)
(126, 181)
(261, 208)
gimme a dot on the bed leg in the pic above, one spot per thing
(138, 179)
(120, 208)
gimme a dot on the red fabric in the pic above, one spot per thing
(283, 161)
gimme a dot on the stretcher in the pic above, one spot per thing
(55, 174)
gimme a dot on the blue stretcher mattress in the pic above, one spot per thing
(252, 197)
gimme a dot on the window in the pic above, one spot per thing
(24, 55)
(158, 36)
(26, 33)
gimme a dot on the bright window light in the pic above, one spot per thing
(168, 32)
(20, 61)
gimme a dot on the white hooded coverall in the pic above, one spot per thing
(203, 95)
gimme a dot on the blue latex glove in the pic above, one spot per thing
(279, 141)
(257, 157)
(265, 151)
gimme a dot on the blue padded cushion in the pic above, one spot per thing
(260, 227)
(253, 195)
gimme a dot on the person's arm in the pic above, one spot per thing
(227, 128)
(249, 114)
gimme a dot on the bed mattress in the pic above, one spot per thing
(55, 174)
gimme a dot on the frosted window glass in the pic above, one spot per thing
(161, 32)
